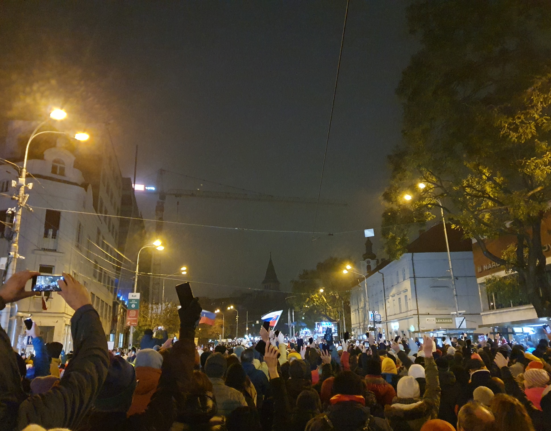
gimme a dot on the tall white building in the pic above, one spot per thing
(76, 198)
(414, 294)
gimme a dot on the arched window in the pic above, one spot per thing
(58, 167)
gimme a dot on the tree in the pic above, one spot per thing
(152, 316)
(476, 101)
(211, 331)
(328, 304)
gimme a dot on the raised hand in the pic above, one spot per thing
(325, 356)
(34, 331)
(344, 346)
(500, 360)
(264, 335)
(427, 346)
(395, 347)
(14, 288)
(303, 352)
(270, 357)
(74, 293)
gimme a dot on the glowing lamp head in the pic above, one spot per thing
(348, 267)
(58, 114)
(160, 248)
(345, 271)
(157, 243)
(183, 268)
(81, 136)
(321, 290)
(217, 310)
(421, 185)
(408, 197)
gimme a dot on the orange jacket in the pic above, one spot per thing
(148, 380)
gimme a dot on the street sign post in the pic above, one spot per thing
(133, 312)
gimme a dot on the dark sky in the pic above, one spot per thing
(240, 93)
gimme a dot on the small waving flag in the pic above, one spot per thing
(207, 318)
(272, 317)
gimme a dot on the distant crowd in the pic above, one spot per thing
(276, 384)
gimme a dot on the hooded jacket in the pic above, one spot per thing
(451, 390)
(478, 378)
(384, 391)
(347, 415)
(148, 380)
(409, 414)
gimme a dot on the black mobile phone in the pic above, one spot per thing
(300, 343)
(325, 347)
(310, 340)
(46, 283)
(346, 336)
(276, 333)
(261, 347)
(28, 323)
(266, 326)
(185, 295)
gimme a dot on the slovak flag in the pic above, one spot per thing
(272, 317)
(207, 318)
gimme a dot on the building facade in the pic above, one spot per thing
(73, 228)
(414, 294)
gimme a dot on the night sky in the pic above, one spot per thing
(239, 93)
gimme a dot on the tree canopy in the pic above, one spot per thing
(476, 101)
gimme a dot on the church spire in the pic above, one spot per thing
(270, 280)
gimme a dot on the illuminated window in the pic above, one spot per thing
(58, 167)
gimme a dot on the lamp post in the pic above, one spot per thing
(231, 307)
(408, 197)
(158, 245)
(223, 323)
(366, 309)
(22, 197)
(183, 271)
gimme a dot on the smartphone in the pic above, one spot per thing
(185, 295)
(46, 283)
(310, 340)
(276, 334)
(266, 326)
(547, 329)
(346, 336)
(325, 347)
(300, 343)
(28, 323)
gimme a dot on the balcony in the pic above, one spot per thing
(48, 244)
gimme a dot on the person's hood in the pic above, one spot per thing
(447, 378)
(481, 377)
(348, 415)
(248, 367)
(148, 379)
(408, 409)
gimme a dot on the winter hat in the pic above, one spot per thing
(535, 378)
(483, 395)
(532, 357)
(408, 388)
(476, 356)
(308, 400)
(216, 365)
(437, 425)
(416, 371)
(238, 350)
(297, 370)
(442, 363)
(256, 363)
(204, 357)
(451, 350)
(118, 388)
(293, 356)
(388, 366)
(373, 367)
(474, 364)
(149, 358)
(534, 365)
(41, 385)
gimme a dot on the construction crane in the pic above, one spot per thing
(198, 193)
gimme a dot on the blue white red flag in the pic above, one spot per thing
(207, 318)
(272, 317)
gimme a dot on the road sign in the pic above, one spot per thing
(133, 301)
(132, 317)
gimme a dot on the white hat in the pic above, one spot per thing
(416, 371)
(451, 351)
(408, 388)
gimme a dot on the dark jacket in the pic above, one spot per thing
(286, 417)
(451, 390)
(411, 414)
(259, 381)
(295, 387)
(169, 401)
(148, 342)
(479, 378)
(347, 416)
(41, 361)
(65, 405)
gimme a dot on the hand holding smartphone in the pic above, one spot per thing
(46, 283)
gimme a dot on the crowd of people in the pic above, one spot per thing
(303, 385)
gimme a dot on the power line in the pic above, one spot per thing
(331, 115)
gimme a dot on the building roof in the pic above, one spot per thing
(271, 276)
(433, 241)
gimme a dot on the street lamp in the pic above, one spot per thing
(346, 271)
(231, 307)
(183, 271)
(321, 290)
(157, 245)
(223, 322)
(422, 186)
(56, 114)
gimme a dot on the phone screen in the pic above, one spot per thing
(46, 283)
(28, 323)
(547, 329)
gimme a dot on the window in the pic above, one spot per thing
(79, 235)
(51, 224)
(58, 167)
(46, 269)
(93, 298)
(4, 186)
(96, 270)
(403, 274)
(406, 302)
(399, 305)
(98, 237)
(5, 222)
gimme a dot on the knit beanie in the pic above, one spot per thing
(297, 370)
(408, 388)
(437, 425)
(373, 367)
(535, 378)
(118, 388)
(483, 395)
(532, 357)
(534, 365)
(442, 364)
(451, 350)
(216, 366)
(149, 358)
(388, 366)
(416, 371)
(294, 355)
(41, 385)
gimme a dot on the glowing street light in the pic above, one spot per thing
(348, 267)
(421, 185)
(58, 114)
(82, 136)
(321, 290)
(157, 243)
(345, 271)
(408, 197)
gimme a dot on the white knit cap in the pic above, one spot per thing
(536, 378)
(451, 350)
(408, 388)
(416, 371)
